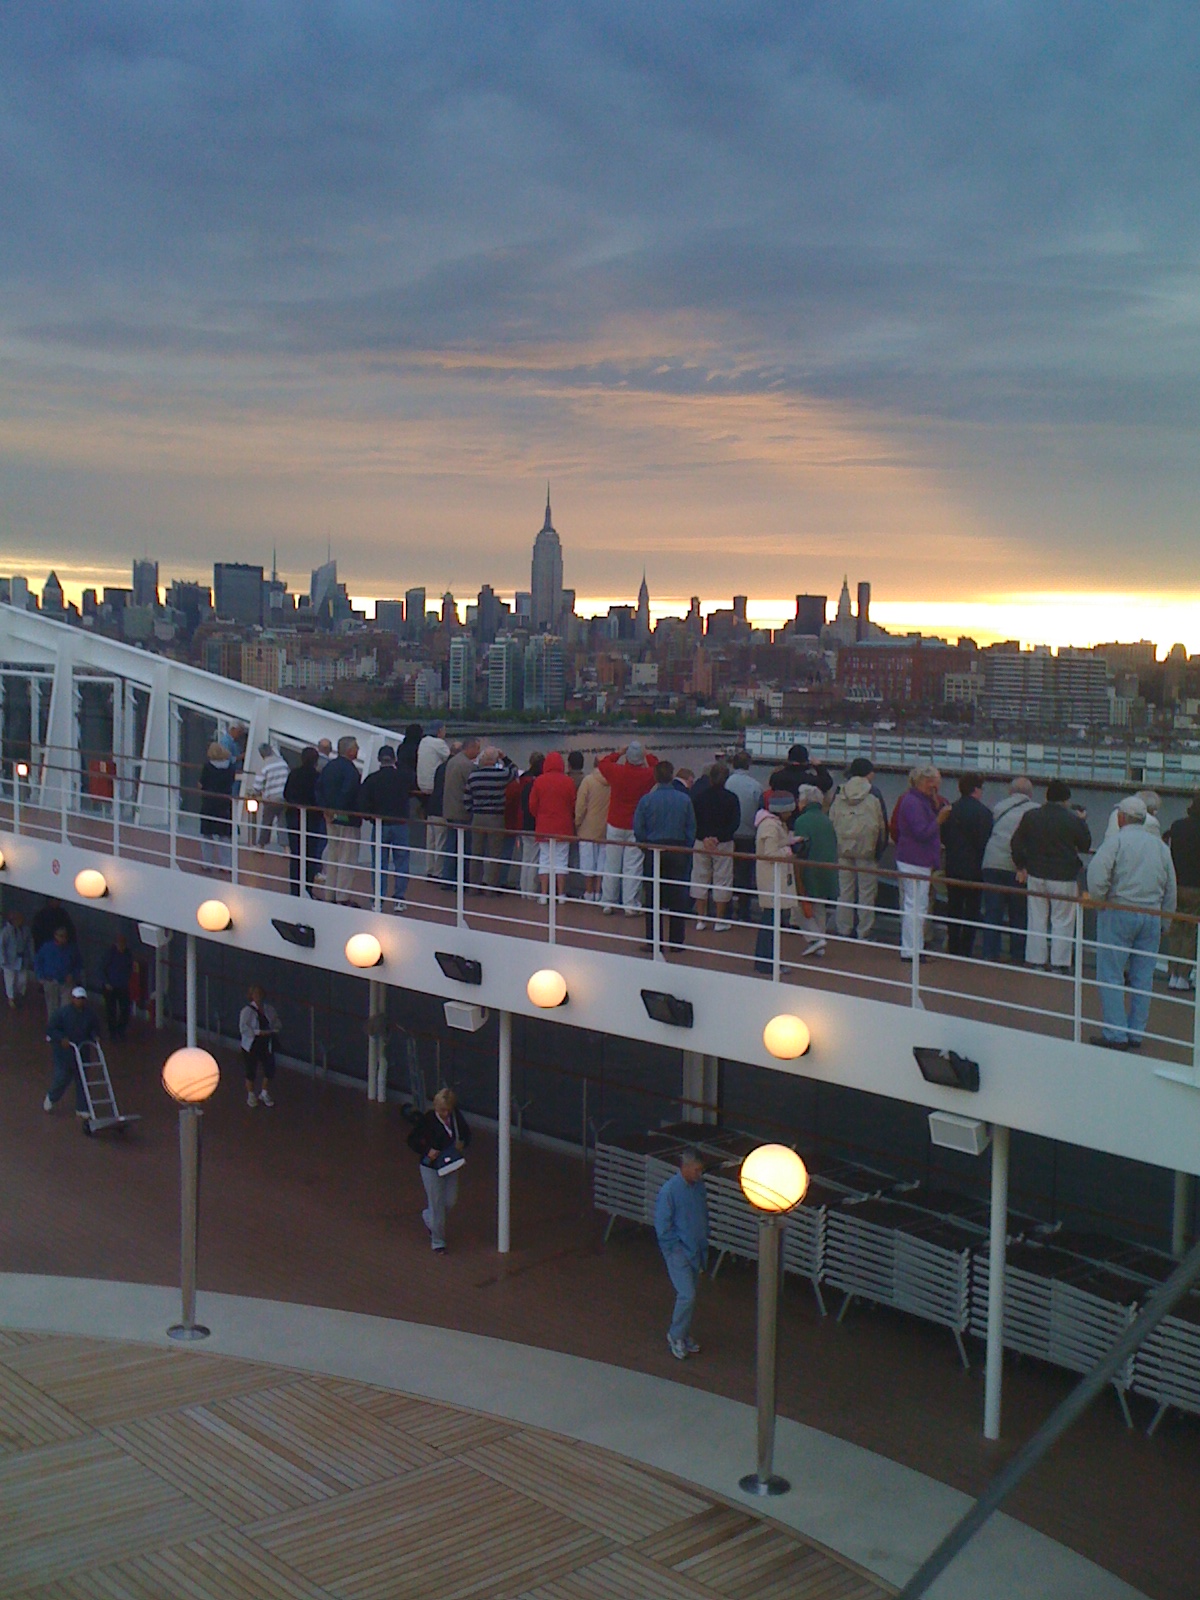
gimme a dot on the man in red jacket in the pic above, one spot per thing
(552, 806)
(629, 773)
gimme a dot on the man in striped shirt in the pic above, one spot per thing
(484, 798)
(269, 782)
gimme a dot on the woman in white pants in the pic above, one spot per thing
(441, 1134)
(916, 826)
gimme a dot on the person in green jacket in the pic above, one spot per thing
(818, 863)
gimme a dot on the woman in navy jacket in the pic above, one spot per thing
(443, 1128)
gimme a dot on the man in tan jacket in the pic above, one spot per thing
(861, 829)
(591, 828)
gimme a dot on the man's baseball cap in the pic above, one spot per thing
(78, 992)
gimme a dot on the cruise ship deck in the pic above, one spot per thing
(310, 1214)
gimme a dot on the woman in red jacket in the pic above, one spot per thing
(552, 806)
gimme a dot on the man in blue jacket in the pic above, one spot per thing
(665, 817)
(58, 967)
(681, 1223)
(73, 1023)
(337, 795)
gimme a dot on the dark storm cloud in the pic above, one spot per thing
(947, 213)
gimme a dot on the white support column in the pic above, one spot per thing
(700, 1086)
(191, 990)
(997, 1257)
(504, 1135)
(376, 1087)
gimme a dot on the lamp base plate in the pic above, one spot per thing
(753, 1484)
(187, 1331)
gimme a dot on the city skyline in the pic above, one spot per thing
(741, 286)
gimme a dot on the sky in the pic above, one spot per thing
(769, 293)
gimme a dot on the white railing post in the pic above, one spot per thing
(173, 800)
(16, 802)
(777, 923)
(62, 805)
(116, 805)
(552, 896)
(233, 838)
(302, 882)
(460, 885)
(377, 863)
(1196, 1030)
(655, 901)
(1077, 1016)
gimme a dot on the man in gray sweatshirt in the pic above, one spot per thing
(1132, 870)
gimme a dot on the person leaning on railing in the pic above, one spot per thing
(1132, 869)
(664, 817)
(337, 795)
(1001, 901)
(300, 795)
(1183, 837)
(860, 824)
(217, 778)
(1047, 850)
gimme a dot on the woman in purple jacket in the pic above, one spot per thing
(916, 826)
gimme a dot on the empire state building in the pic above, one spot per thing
(546, 586)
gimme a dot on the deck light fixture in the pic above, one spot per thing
(90, 884)
(459, 968)
(547, 989)
(947, 1068)
(774, 1181)
(213, 916)
(252, 807)
(1, 860)
(363, 950)
(22, 769)
(786, 1037)
(298, 933)
(668, 1008)
(189, 1076)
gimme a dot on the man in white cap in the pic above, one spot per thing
(1133, 870)
(74, 1023)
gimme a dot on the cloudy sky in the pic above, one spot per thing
(769, 292)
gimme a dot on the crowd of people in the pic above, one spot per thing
(803, 852)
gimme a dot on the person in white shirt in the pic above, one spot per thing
(431, 752)
(1151, 801)
(269, 783)
(259, 1027)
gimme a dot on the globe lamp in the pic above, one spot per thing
(213, 916)
(547, 989)
(190, 1075)
(786, 1037)
(773, 1178)
(90, 884)
(363, 950)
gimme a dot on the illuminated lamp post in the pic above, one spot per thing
(774, 1181)
(189, 1077)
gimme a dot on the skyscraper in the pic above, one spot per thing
(863, 619)
(506, 674)
(810, 614)
(489, 614)
(462, 672)
(145, 583)
(641, 619)
(414, 612)
(546, 583)
(545, 675)
(238, 592)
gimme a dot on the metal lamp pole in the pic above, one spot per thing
(774, 1181)
(189, 1077)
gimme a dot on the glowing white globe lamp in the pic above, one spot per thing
(547, 989)
(190, 1076)
(363, 950)
(786, 1037)
(213, 916)
(774, 1178)
(90, 884)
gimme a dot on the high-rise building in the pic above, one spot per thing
(52, 596)
(545, 675)
(489, 614)
(641, 617)
(389, 615)
(810, 614)
(145, 583)
(506, 674)
(322, 587)
(546, 585)
(862, 622)
(19, 591)
(462, 672)
(740, 603)
(238, 592)
(449, 611)
(523, 606)
(414, 612)
(192, 600)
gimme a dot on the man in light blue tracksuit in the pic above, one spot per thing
(681, 1223)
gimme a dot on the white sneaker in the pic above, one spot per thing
(814, 947)
(608, 910)
(678, 1349)
(722, 927)
(542, 900)
(700, 924)
(251, 1098)
(264, 1098)
(1176, 983)
(47, 1104)
(633, 911)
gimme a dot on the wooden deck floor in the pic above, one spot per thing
(129, 1473)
